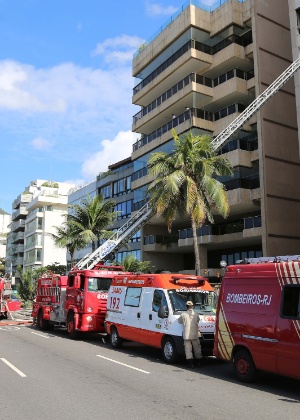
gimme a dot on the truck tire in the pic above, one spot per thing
(243, 366)
(169, 351)
(73, 334)
(41, 323)
(115, 340)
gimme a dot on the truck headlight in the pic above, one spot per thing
(90, 309)
(89, 318)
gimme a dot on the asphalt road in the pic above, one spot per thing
(48, 376)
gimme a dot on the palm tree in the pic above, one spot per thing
(184, 183)
(89, 220)
(65, 238)
(131, 263)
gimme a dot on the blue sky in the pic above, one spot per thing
(66, 86)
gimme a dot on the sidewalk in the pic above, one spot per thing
(21, 317)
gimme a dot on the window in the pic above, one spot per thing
(133, 296)
(290, 307)
(159, 299)
(98, 284)
(298, 19)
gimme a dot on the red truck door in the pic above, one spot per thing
(288, 332)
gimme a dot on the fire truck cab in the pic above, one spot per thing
(258, 317)
(145, 308)
(76, 301)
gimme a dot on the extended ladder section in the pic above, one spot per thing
(117, 240)
(221, 138)
(278, 259)
(140, 218)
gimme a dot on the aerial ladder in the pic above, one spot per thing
(142, 216)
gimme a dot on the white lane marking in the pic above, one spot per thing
(9, 328)
(13, 367)
(123, 364)
(41, 335)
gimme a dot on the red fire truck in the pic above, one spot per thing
(258, 317)
(76, 301)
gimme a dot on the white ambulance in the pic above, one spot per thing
(145, 308)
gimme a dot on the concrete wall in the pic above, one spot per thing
(277, 128)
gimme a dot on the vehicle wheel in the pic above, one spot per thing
(73, 334)
(243, 366)
(169, 351)
(41, 324)
(115, 340)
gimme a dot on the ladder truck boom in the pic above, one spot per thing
(118, 238)
(221, 138)
(140, 218)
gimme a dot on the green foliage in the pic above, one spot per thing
(132, 264)
(2, 267)
(50, 184)
(89, 220)
(185, 183)
(66, 238)
(27, 287)
(57, 268)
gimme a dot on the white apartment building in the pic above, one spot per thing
(36, 211)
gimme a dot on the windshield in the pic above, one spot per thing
(204, 302)
(98, 284)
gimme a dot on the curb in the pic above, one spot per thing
(11, 322)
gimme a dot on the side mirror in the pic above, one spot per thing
(163, 312)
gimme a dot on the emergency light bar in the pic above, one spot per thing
(192, 278)
(284, 258)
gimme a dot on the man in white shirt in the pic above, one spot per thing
(190, 320)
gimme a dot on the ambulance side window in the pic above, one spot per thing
(133, 296)
(159, 299)
(290, 307)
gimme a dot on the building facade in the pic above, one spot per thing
(5, 220)
(36, 211)
(114, 184)
(199, 73)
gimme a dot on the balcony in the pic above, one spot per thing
(194, 117)
(160, 243)
(195, 57)
(18, 238)
(22, 198)
(230, 233)
(18, 225)
(229, 87)
(20, 213)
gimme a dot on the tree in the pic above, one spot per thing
(185, 183)
(27, 287)
(57, 268)
(90, 219)
(65, 238)
(132, 264)
(2, 267)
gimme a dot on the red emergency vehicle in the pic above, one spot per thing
(7, 304)
(258, 317)
(76, 301)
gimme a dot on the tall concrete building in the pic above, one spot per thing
(36, 211)
(294, 8)
(199, 73)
